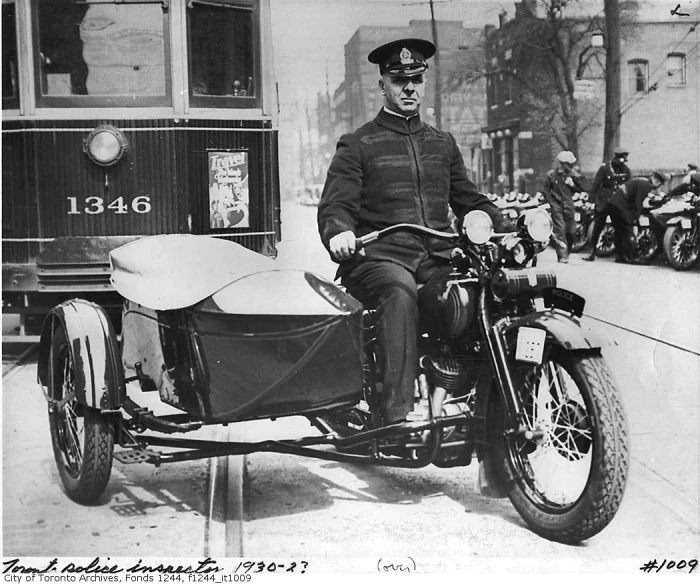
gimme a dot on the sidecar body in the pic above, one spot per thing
(223, 334)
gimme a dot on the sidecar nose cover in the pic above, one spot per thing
(167, 272)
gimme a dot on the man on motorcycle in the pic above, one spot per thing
(559, 187)
(624, 208)
(609, 176)
(396, 169)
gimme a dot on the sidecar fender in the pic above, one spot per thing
(99, 377)
(562, 329)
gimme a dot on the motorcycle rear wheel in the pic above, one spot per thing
(581, 238)
(680, 247)
(568, 483)
(82, 437)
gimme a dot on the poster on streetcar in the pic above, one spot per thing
(228, 189)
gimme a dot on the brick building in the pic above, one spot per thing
(660, 78)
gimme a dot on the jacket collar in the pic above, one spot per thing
(397, 123)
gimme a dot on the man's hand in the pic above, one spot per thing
(342, 246)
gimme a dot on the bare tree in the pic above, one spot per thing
(554, 52)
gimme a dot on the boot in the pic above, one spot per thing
(591, 257)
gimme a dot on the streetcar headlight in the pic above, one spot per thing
(105, 145)
(478, 227)
(537, 224)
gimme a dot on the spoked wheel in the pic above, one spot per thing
(648, 245)
(82, 437)
(565, 470)
(581, 238)
(605, 246)
(681, 247)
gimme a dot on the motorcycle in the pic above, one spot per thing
(681, 241)
(507, 373)
(605, 246)
(651, 225)
(583, 215)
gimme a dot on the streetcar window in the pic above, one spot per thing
(112, 53)
(10, 79)
(222, 53)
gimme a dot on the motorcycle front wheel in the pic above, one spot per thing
(565, 471)
(82, 437)
(681, 247)
(648, 245)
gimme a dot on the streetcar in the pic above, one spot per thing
(130, 118)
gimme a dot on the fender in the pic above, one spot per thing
(676, 220)
(99, 377)
(564, 330)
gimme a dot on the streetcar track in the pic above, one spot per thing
(644, 335)
(224, 526)
(17, 363)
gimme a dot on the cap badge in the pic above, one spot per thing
(405, 56)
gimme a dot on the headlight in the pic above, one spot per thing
(537, 223)
(478, 227)
(105, 145)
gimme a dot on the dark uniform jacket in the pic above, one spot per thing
(397, 170)
(556, 187)
(630, 196)
(609, 176)
(684, 188)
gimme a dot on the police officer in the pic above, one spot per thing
(560, 184)
(609, 176)
(396, 169)
(625, 206)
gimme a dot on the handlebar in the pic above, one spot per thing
(365, 240)
(420, 229)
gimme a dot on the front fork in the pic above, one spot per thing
(494, 335)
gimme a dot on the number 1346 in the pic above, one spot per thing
(96, 205)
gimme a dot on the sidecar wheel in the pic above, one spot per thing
(82, 437)
(567, 482)
(680, 247)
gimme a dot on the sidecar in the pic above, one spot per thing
(216, 331)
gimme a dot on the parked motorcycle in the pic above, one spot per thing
(681, 240)
(650, 227)
(583, 215)
(605, 246)
(507, 372)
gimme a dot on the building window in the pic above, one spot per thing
(676, 69)
(638, 74)
(492, 90)
(10, 69)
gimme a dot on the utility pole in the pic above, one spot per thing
(612, 78)
(436, 61)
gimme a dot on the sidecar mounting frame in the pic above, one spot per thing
(138, 447)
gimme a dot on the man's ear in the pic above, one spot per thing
(381, 84)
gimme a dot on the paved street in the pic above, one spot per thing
(344, 517)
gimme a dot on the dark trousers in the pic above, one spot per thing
(563, 224)
(601, 214)
(623, 222)
(392, 290)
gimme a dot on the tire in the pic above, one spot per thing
(680, 247)
(605, 246)
(591, 460)
(82, 437)
(581, 238)
(648, 245)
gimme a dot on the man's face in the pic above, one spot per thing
(621, 158)
(403, 94)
